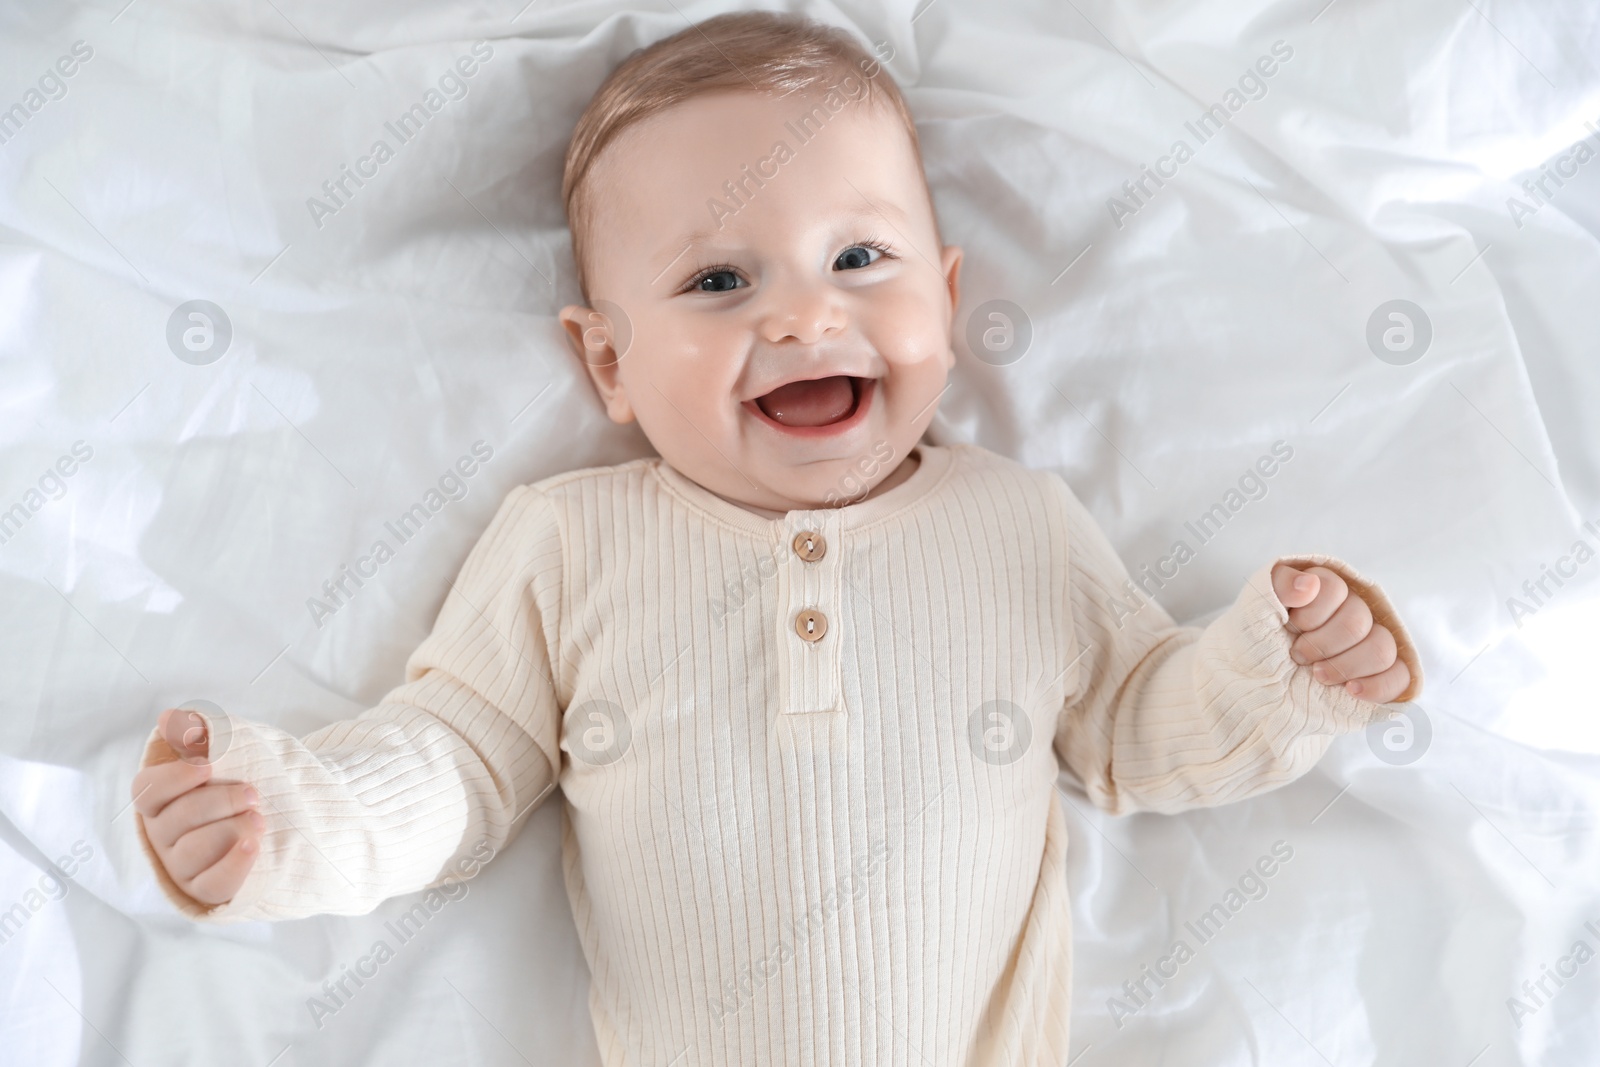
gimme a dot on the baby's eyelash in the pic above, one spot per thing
(873, 242)
(705, 272)
(877, 243)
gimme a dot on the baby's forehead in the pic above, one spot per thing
(712, 156)
(747, 119)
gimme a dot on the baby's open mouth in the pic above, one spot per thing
(813, 402)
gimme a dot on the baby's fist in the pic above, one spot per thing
(1336, 636)
(206, 834)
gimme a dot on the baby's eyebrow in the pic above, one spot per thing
(856, 215)
(694, 237)
(669, 266)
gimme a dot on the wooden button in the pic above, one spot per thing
(811, 624)
(809, 545)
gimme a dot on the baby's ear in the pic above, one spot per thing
(593, 337)
(950, 263)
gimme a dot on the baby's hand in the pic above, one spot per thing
(1336, 634)
(207, 835)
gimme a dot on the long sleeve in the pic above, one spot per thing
(445, 766)
(1162, 718)
(770, 823)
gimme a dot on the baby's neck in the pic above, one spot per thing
(906, 469)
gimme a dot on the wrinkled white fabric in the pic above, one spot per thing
(1167, 354)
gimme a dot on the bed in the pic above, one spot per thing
(227, 364)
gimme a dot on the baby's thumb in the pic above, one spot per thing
(1294, 587)
(186, 733)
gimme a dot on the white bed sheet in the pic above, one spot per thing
(1171, 347)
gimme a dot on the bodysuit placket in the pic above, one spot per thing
(810, 611)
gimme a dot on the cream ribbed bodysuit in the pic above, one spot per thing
(809, 763)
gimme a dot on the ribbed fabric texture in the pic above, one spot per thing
(841, 851)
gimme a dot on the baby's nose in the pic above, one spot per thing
(803, 311)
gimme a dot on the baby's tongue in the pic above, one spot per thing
(816, 402)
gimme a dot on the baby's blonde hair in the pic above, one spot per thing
(757, 51)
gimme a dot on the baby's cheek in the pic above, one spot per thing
(920, 355)
(910, 398)
(679, 358)
(916, 342)
(713, 359)
(927, 352)
(908, 326)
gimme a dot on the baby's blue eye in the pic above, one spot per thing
(722, 280)
(854, 257)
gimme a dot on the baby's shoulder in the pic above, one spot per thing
(609, 477)
(976, 465)
(1038, 496)
(540, 509)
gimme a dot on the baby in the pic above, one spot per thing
(805, 680)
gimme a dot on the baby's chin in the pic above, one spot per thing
(770, 483)
(840, 485)
(839, 480)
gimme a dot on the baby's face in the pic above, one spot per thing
(829, 274)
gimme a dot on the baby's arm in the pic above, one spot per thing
(1160, 717)
(395, 799)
